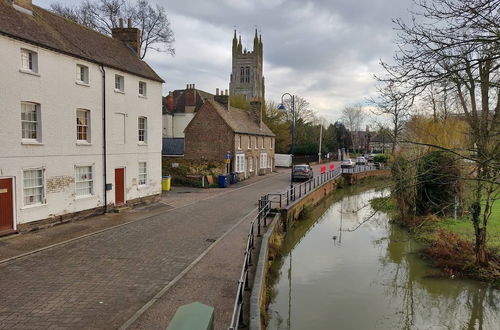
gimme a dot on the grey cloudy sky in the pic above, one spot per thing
(323, 50)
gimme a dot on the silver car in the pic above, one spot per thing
(302, 172)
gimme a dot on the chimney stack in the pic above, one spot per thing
(129, 36)
(222, 99)
(256, 112)
(25, 6)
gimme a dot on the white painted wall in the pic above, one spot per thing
(180, 122)
(55, 89)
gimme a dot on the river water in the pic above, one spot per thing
(333, 276)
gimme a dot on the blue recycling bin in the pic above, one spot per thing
(233, 177)
(223, 181)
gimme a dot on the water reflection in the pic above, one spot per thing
(372, 277)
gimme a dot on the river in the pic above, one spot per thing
(333, 276)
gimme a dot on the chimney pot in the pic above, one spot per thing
(120, 22)
(216, 91)
(129, 23)
(227, 92)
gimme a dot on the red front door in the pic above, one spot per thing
(119, 186)
(6, 205)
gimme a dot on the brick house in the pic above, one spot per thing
(218, 129)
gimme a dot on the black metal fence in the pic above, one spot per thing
(270, 202)
(257, 224)
(363, 168)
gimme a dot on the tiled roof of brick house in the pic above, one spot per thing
(239, 120)
(48, 30)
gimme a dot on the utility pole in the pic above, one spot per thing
(320, 137)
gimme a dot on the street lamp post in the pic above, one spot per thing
(282, 107)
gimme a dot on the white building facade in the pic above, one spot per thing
(77, 134)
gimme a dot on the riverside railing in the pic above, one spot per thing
(256, 224)
(265, 206)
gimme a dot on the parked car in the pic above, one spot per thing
(347, 163)
(361, 161)
(370, 158)
(302, 172)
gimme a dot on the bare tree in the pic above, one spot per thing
(457, 42)
(104, 15)
(353, 117)
(395, 105)
(303, 110)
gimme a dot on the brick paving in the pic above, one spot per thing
(100, 281)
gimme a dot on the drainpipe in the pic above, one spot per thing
(104, 138)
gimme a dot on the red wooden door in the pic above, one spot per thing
(119, 186)
(6, 205)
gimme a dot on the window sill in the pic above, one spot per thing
(119, 91)
(82, 83)
(33, 73)
(84, 197)
(31, 206)
(142, 143)
(83, 143)
(142, 96)
(32, 142)
(142, 186)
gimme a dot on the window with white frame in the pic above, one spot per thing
(119, 83)
(142, 88)
(239, 141)
(82, 74)
(250, 164)
(249, 142)
(262, 144)
(83, 125)
(270, 143)
(256, 143)
(263, 160)
(29, 60)
(142, 178)
(84, 181)
(30, 121)
(33, 187)
(240, 163)
(143, 129)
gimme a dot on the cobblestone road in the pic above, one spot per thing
(102, 280)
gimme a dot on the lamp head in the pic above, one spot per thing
(281, 107)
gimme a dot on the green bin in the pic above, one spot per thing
(194, 316)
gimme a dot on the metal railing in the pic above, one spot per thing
(300, 189)
(266, 203)
(260, 219)
(363, 168)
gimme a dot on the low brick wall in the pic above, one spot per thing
(291, 213)
(352, 178)
(80, 215)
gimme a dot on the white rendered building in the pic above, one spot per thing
(80, 119)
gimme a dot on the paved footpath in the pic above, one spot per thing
(103, 279)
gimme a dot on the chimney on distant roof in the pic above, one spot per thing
(129, 36)
(256, 112)
(222, 99)
(25, 6)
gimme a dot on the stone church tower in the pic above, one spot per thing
(246, 76)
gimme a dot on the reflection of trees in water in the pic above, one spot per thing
(435, 300)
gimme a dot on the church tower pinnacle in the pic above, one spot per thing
(247, 70)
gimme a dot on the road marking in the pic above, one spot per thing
(170, 284)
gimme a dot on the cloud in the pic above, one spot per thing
(326, 51)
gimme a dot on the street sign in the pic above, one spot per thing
(228, 156)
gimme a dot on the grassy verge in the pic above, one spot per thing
(449, 243)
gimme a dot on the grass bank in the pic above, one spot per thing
(449, 243)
